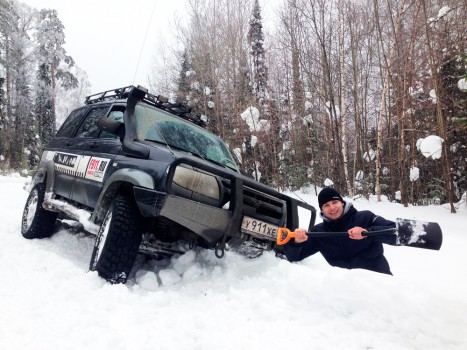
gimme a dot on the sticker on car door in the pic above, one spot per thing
(96, 168)
(91, 168)
(65, 162)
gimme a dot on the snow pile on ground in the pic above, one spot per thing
(49, 299)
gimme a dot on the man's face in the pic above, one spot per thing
(333, 209)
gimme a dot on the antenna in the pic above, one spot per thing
(144, 41)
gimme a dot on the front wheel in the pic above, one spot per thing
(118, 241)
(37, 222)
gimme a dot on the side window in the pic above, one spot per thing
(115, 114)
(71, 123)
(89, 126)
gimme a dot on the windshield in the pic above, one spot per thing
(158, 126)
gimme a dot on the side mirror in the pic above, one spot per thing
(112, 126)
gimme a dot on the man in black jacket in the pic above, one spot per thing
(358, 252)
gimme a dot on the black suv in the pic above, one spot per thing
(144, 175)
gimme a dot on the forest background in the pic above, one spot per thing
(344, 93)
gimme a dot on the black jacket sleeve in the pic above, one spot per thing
(299, 251)
(378, 223)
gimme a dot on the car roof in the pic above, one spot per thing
(159, 101)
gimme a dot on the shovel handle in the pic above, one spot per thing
(284, 235)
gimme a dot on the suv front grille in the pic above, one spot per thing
(259, 204)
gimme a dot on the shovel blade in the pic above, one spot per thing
(420, 234)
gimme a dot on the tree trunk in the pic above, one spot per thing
(445, 160)
(9, 109)
(383, 99)
(53, 99)
(342, 105)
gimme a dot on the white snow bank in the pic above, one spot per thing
(49, 299)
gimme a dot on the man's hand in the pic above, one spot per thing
(356, 232)
(301, 235)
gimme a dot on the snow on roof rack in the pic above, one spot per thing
(159, 101)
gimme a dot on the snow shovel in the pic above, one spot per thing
(412, 233)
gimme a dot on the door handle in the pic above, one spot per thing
(69, 143)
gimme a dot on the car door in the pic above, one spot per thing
(96, 150)
(60, 152)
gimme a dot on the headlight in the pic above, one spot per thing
(197, 182)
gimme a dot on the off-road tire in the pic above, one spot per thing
(117, 241)
(37, 222)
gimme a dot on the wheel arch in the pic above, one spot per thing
(121, 181)
(44, 173)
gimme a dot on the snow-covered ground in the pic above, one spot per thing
(49, 299)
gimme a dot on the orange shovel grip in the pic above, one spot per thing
(284, 235)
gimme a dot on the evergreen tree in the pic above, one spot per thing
(22, 116)
(258, 55)
(54, 64)
(71, 99)
(183, 85)
(44, 109)
(455, 110)
(25, 145)
(2, 122)
(2, 103)
(24, 90)
(265, 151)
(8, 28)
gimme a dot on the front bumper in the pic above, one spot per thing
(215, 224)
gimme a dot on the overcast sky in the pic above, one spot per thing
(106, 37)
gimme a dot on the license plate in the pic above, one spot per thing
(259, 228)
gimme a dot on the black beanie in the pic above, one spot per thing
(328, 194)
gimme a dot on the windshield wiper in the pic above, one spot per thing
(163, 138)
(161, 143)
(196, 154)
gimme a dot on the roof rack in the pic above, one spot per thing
(114, 94)
(155, 100)
(176, 108)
